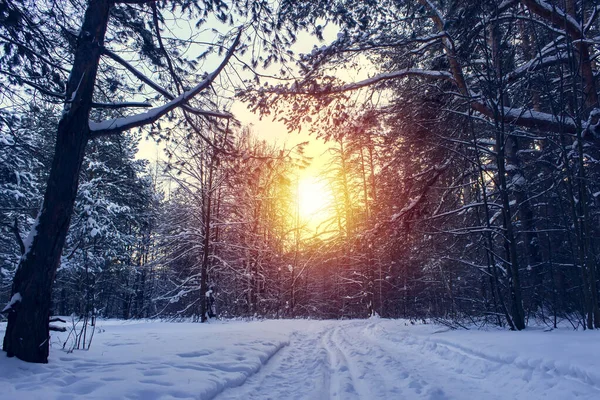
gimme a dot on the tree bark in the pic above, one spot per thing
(27, 332)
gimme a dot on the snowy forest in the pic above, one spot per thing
(461, 175)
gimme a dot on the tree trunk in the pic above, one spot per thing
(206, 250)
(27, 332)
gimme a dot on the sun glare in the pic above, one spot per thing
(313, 200)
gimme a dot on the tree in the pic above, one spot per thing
(226, 228)
(31, 58)
(25, 156)
(469, 55)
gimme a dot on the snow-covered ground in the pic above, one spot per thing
(303, 359)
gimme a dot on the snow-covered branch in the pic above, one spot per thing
(529, 118)
(121, 105)
(535, 65)
(455, 67)
(592, 18)
(387, 76)
(557, 16)
(396, 75)
(159, 89)
(576, 31)
(118, 125)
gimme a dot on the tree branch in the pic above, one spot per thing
(563, 20)
(556, 16)
(159, 89)
(529, 119)
(57, 328)
(535, 65)
(120, 105)
(34, 85)
(118, 125)
(162, 47)
(366, 82)
(18, 237)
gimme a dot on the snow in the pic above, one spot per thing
(69, 102)
(305, 359)
(518, 180)
(13, 300)
(122, 122)
(31, 236)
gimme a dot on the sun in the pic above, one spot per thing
(314, 199)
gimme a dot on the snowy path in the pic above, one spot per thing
(363, 360)
(313, 360)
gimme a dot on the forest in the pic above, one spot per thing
(461, 178)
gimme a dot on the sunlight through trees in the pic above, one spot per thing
(458, 178)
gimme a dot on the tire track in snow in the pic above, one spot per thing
(418, 375)
(361, 360)
(300, 371)
(371, 366)
(342, 383)
(241, 377)
(388, 373)
(465, 368)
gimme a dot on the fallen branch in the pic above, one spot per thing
(57, 328)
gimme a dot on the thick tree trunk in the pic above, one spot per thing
(27, 332)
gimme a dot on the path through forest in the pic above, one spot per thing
(311, 360)
(374, 359)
